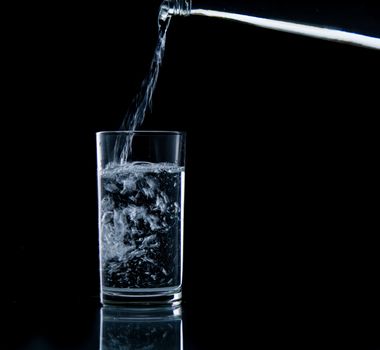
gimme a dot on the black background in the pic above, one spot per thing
(282, 174)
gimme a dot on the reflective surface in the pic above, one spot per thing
(195, 326)
(158, 328)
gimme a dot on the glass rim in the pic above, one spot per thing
(142, 132)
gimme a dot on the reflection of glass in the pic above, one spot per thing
(141, 328)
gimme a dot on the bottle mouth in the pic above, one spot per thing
(174, 8)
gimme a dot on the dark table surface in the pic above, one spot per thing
(238, 321)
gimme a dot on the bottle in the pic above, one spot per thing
(348, 22)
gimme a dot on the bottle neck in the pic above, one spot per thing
(175, 8)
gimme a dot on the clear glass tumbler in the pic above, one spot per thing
(141, 210)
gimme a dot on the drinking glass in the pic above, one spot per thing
(141, 211)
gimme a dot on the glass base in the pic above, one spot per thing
(151, 296)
